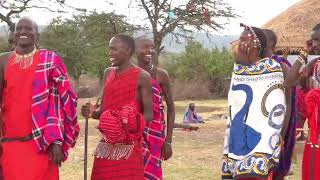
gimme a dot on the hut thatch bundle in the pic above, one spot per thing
(294, 25)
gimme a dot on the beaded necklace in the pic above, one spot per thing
(24, 60)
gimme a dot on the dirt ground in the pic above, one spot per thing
(197, 154)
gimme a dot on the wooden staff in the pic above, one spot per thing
(86, 146)
(86, 149)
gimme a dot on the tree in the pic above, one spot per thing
(200, 64)
(169, 16)
(64, 37)
(98, 29)
(83, 40)
(3, 44)
(10, 9)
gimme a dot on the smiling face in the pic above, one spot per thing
(26, 33)
(145, 50)
(119, 52)
(315, 38)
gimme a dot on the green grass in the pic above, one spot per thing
(197, 154)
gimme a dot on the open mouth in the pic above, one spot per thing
(148, 57)
(23, 37)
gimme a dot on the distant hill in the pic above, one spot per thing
(169, 42)
(171, 45)
(218, 41)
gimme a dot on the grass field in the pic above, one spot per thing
(197, 154)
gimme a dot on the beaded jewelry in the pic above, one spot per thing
(25, 60)
(256, 39)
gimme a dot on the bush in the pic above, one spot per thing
(3, 44)
(204, 65)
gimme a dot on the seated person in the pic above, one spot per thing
(190, 116)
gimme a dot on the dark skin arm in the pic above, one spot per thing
(56, 154)
(163, 79)
(4, 58)
(293, 74)
(88, 110)
(145, 95)
(309, 67)
(287, 91)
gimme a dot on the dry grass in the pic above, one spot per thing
(197, 155)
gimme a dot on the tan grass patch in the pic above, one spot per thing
(197, 155)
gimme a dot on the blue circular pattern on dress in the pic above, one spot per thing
(271, 114)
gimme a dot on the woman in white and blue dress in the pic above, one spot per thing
(257, 108)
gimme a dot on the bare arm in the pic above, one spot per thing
(309, 67)
(88, 109)
(291, 75)
(4, 58)
(166, 87)
(145, 91)
(287, 92)
(1, 80)
(98, 111)
(1, 93)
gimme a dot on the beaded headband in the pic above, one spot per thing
(256, 39)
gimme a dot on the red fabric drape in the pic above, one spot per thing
(311, 157)
(21, 160)
(120, 91)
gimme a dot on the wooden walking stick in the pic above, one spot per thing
(86, 149)
(86, 146)
(86, 129)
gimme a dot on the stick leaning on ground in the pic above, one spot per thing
(85, 165)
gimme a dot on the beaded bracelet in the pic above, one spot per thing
(301, 60)
(304, 56)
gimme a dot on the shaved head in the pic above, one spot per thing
(26, 34)
(144, 49)
(141, 39)
(31, 21)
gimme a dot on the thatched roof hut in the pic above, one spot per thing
(294, 25)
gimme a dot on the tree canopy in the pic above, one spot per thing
(166, 17)
(82, 41)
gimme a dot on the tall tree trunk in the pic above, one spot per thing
(157, 43)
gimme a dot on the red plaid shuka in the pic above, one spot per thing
(154, 136)
(20, 159)
(54, 113)
(119, 154)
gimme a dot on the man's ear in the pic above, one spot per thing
(129, 52)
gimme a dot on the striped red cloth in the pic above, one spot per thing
(54, 102)
(122, 125)
(21, 160)
(154, 136)
(119, 126)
